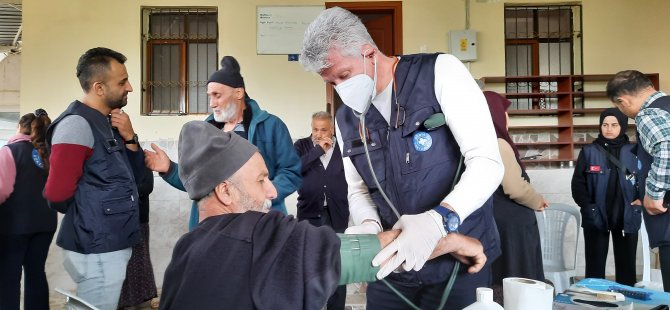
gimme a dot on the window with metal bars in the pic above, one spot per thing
(541, 40)
(179, 55)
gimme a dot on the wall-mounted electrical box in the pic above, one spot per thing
(463, 44)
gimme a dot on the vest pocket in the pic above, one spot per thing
(354, 149)
(118, 213)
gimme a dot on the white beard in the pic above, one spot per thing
(226, 114)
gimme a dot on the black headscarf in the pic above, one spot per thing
(614, 199)
(622, 138)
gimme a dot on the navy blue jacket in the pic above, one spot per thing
(415, 181)
(317, 182)
(103, 216)
(592, 206)
(658, 226)
(25, 211)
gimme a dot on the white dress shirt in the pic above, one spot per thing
(469, 119)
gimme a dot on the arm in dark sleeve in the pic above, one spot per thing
(308, 155)
(145, 185)
(136, 160)
(580, 192)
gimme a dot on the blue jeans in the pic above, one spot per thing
(99, 277)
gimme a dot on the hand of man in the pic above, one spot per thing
(121, 121)
(368, 227)
(466, 249)
(636, 202)
(654, 207)
(543, 205)
(157, 160)
(325, 143)
(419, 236)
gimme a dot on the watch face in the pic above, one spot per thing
(452, 222)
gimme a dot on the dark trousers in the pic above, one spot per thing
(338, 299)
(381, 297)
(625, 250)
(26, 252)
(664, 257)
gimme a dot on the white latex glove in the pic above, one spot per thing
(419, 236)
(367, 228)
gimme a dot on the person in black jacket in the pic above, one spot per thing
(604, 187)
(27, 225)
(242, 257)
(322, 197)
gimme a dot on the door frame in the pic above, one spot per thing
(393, 7)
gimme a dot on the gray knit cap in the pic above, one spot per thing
(209, 156)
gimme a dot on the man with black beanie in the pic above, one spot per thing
(234, 111)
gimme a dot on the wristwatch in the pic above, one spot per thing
(134, 140)
(450, 219)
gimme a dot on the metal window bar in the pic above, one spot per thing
(550, 28)
(179, 85)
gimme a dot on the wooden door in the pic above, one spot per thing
(383, 19)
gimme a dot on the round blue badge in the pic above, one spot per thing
(422, 141)
(37, 159)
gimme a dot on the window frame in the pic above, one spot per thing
(148, 107)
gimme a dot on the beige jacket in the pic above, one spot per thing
(513, 183)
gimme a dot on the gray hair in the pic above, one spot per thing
(333, 28)
(322, 115)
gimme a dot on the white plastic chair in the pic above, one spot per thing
(72, 302)
(553, 224)
(649, 281)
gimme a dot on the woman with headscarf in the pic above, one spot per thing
(604, 187)
(514, 205)
(27, 225)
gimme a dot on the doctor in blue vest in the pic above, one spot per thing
(416, 115)
(634, 94)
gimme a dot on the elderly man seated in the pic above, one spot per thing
(240, 257)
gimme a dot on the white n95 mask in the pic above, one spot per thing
(357, 92)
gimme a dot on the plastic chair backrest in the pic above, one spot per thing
(553, 223)
(72, 302)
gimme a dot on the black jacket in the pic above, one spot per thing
(317, 181)
(252, 260)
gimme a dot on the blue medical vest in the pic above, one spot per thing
(104, 215)
(415, 167)
(595, 215)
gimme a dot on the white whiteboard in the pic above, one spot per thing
(280, 29)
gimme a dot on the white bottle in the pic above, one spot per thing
(484, 300)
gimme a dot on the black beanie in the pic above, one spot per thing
(229, 74)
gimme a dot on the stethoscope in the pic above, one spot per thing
(364, 136)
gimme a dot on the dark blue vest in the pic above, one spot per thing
(25, 211)
(104, 215)
(415, 181)
(595, 215)
(658, 226)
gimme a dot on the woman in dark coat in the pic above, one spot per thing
(514, 205)
(27, 225)
(606, 194)
(140, 285)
